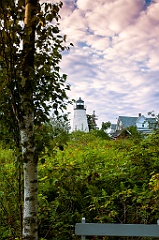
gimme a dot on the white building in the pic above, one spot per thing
(143, 125)
(80, 122)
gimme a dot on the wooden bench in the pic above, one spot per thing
(84, 229)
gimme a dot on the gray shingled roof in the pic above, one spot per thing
(151, 120)
(113, 126)
(131, 121)
(128, 121)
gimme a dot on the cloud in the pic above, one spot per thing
(113, 65)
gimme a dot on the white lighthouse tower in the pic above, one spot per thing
(80, 122)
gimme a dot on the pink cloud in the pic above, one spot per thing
(118, 57)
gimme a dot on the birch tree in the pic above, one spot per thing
(31, 84)
(26, 124)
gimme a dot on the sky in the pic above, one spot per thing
(114, 64)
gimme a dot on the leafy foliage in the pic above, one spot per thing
(105, 125)
(48, 85)
(10, 195)
(51, 135)
(134, 133)
(102, 180)
(31, 86)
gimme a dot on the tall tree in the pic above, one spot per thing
(31, 84)
(26, 123)
(92, 121)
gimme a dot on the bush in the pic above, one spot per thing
(101, 180)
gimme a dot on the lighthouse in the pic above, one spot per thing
(80, 122)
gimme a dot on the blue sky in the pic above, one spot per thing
(114, 64)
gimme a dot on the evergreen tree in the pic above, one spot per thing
(92, 121)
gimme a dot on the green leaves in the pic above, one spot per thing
(97, 179)
(48, 84)
(31, 87)
(104, 181)
(9, 195)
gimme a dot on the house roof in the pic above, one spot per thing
(117, 134)
(113, 126)
(151, 120)
(131, 121)
(128, 121)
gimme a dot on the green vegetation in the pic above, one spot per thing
(92, 177)
(31, 85)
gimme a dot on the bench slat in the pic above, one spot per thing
(106, 229)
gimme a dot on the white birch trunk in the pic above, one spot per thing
(30, 159)
(30, 230)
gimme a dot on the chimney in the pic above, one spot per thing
(139, 114)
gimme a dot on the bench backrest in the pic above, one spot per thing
(105, 229)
